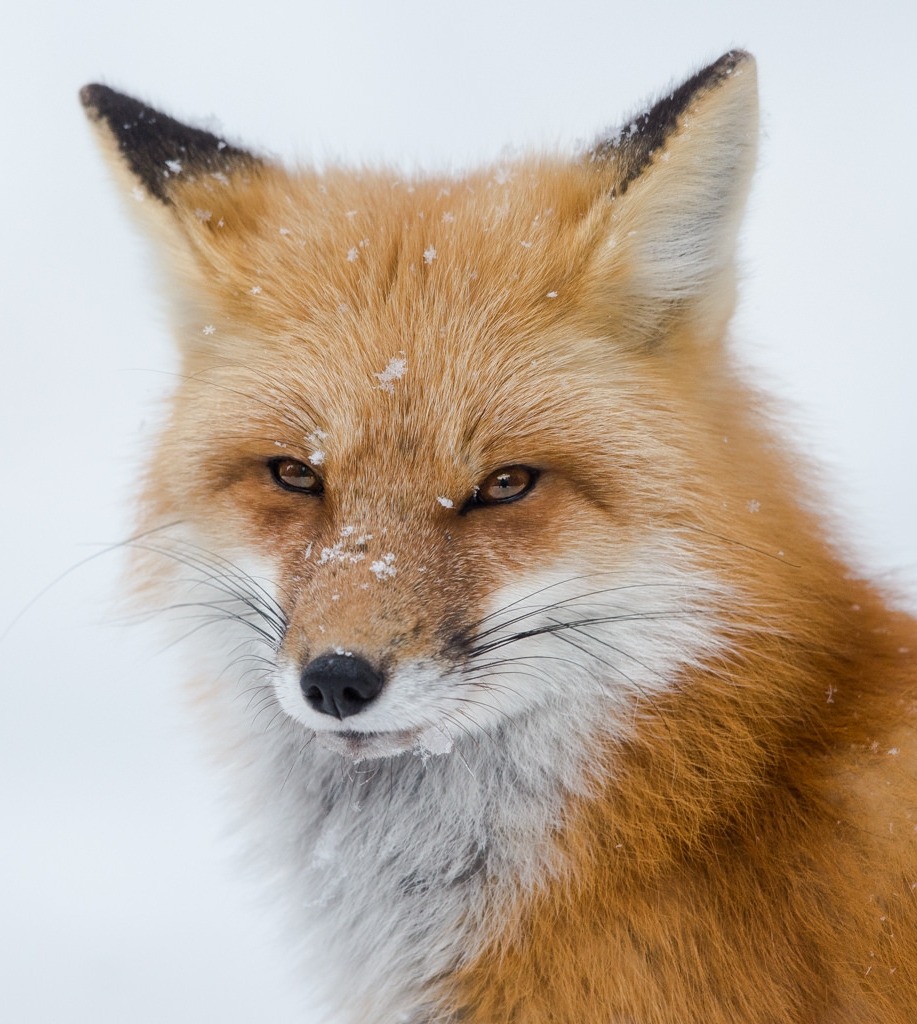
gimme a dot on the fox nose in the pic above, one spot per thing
(340, 684)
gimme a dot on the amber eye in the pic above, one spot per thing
(506, 484)
(294, 475)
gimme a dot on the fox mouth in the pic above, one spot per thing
(368, 746)
(364, 746)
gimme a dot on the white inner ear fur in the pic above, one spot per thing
(673, 233)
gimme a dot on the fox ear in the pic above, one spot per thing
(193, 190)
(676, 179)
(159, 153)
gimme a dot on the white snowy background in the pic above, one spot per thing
(119, 898)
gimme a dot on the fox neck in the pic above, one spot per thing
(413, 860)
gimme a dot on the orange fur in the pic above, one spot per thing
(747, 850)
(753, 857)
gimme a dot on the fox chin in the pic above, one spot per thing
(546, 695)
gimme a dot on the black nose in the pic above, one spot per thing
(340, 684)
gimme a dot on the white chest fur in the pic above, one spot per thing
(392, 873)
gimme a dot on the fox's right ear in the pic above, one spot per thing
(158, 152)
(188, 183)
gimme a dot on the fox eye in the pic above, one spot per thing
(293, 475)
(504, 485)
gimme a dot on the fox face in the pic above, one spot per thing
(389, 402)
(548, 696)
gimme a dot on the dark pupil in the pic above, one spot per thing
(506, 485)
(296, 474)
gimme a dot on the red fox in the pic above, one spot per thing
(550, 698)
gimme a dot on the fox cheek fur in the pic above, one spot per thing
(548, 696)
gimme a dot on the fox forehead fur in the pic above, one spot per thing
(548, 695)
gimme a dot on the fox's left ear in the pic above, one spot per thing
(675, 182)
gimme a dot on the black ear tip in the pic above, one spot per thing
(726, 66)
(731, 60)
(104, 104)
(633, 146)
(89, 95)
(156, 147)
(99, 101)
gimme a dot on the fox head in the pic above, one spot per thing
(451, 452)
